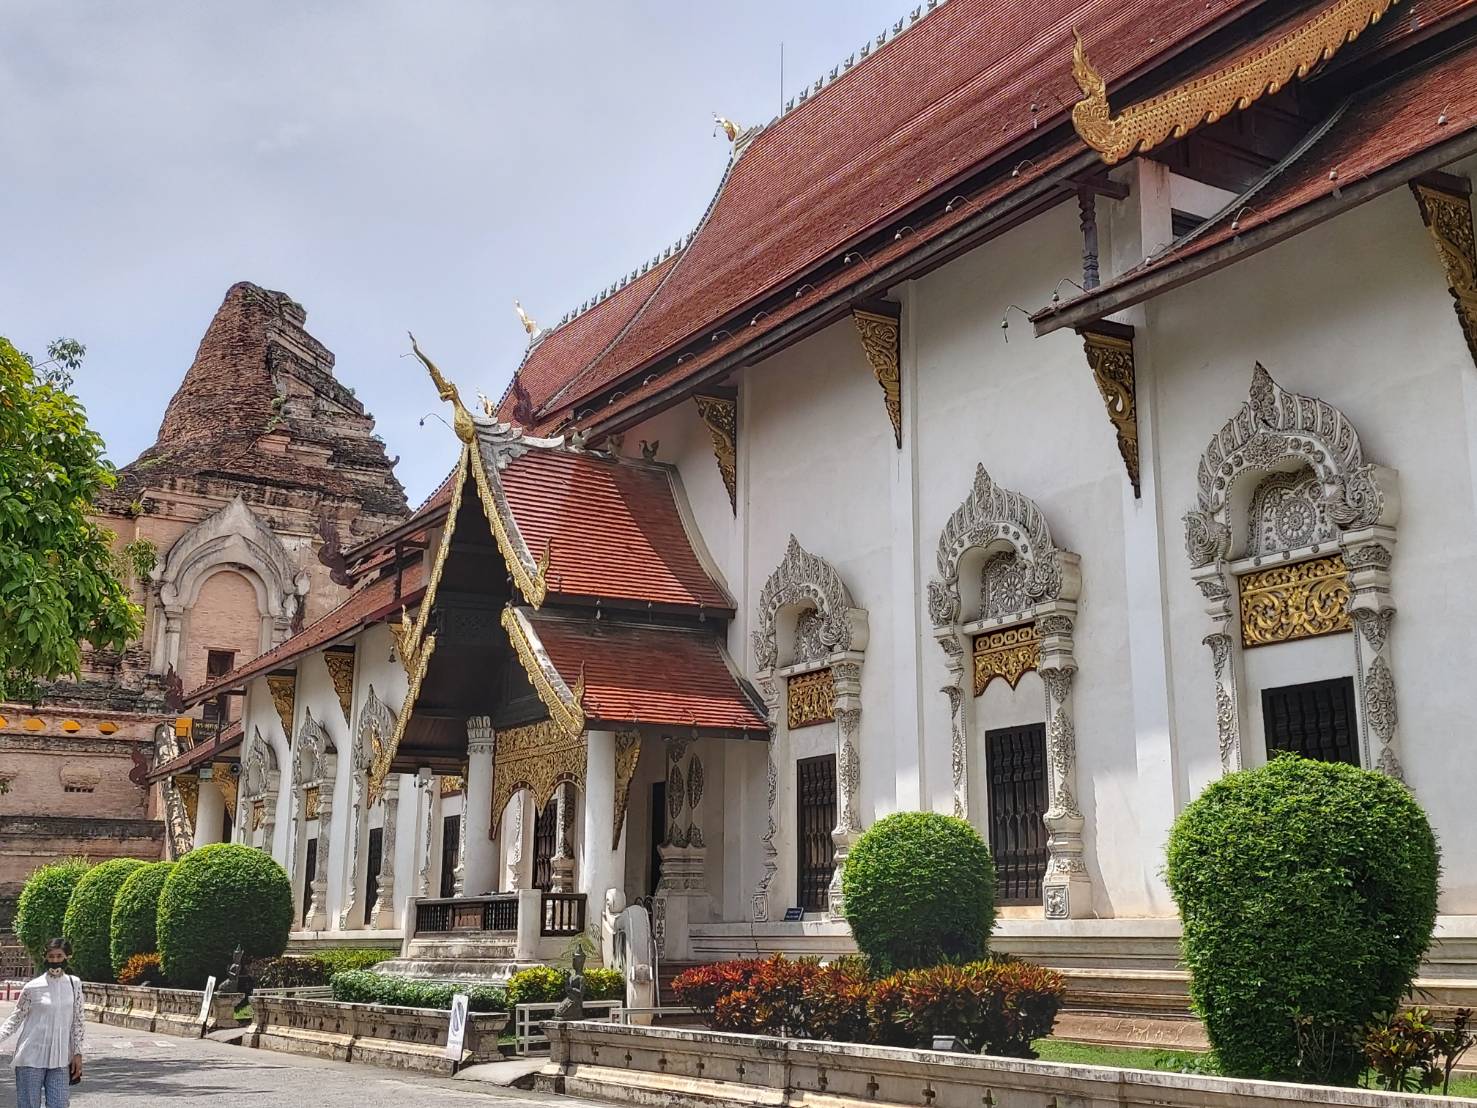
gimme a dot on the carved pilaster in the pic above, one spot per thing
(1368, 554)
(459, 873)
(1447, 211)
(384, 886)
(1218, 588)
(561, 865)
(431, 795)
(1066, 890)
(318, 910)
(682, 890)
(719, 414)
(847, 676)
(359, 817)
(1110, 356)
(880, 325)
(627, 754)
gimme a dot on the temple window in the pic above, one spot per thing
(1315, 720)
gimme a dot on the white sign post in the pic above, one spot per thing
(456, 1031)
(205, 1004)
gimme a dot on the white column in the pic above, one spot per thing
(604, 862)
(479, 863)
(384, 905)
(561, 866)
(210, 812)
(430, 799)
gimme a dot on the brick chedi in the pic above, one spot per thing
(262, 452)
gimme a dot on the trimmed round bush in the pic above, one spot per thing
(919, 889)
(88, 922)
(135, 927)
(216, 898)
(43, 904)
(1308, 895)
(536, 985)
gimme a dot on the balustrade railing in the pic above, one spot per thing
(563, 914)
(497, 912)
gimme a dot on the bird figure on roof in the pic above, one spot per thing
(730, 128)
(528, 325)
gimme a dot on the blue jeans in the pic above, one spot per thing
(31, 1081)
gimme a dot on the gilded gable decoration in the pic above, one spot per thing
(1025, 620)
(410, 634)
(810, 698)
(340, 665)
(564, 704)
(720, 415)
(1233, 87)
(283, 688)
(1110, 356)
(1447, 213)
(189, 790)
(1292, 537)
(538, 757)
(226, 782)
(379, 770)
(880, 325)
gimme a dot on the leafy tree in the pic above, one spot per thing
(58, 580)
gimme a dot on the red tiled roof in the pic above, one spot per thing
(207, 751)
(367, 605)
(1382, 128)
(615, 528)
(651, 674)
(951, 94)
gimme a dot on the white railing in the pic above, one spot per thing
(623, 1015)
(298, 992)
(528, 1021)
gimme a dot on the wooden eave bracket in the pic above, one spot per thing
(1446, 209)
(879, 322)
(1110, 356)
(718, 409)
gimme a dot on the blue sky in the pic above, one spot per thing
(391, 164)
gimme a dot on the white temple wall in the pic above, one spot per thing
(651, 767)
(315, 694)
(1355, 312)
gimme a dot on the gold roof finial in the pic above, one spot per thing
(528, 325)
(730, 128)
(461, 421)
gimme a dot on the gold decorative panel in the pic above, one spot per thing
(1448, 216)
(881, 332)
(225, 780)
(310, 802)
(537, 757)
(1110, 355)
(811, 698)
(340, 665)
(1205, 99)
(720, 415)
(284, 698)
(1295, 602)
(189, 791)
(258, 814)
(1009, 652)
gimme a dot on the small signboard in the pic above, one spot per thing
(793, 915)
(205, 1002)
(456, 1031)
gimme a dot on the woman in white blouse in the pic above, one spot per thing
(48, 1015)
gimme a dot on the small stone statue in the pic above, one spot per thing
(573, 1005)
(233, 975)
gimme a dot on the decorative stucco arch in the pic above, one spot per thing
(807, 624)
(314, 768)
(256, 814)
(1034, 589)
(1291, 469)
(376, 724)
(233, 538)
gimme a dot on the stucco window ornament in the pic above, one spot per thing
(1026, 616)
(376, 724)
(257, 797)
(806, 624)
(1291, 537)
(313, 772)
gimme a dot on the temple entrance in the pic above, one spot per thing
(658, 834)
(545, 841)
(816, 778)
(1015, 759)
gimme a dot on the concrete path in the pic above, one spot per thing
(133, 1069)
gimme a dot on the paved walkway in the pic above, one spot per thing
(132, 1069)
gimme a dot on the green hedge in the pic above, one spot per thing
(919, 889)
(368, 987)
(343, 958)
(88, 922)
(135, 927)
(43, 904)
(1308, 895)
(219, 897)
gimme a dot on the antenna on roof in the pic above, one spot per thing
(782, 77)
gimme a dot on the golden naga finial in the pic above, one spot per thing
(461, 421)
(730, 128)
(1091, 115)
(528, 325)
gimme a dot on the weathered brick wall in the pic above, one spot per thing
(225, 617)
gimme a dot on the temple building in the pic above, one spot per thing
(261, 453)
(1034, 429)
